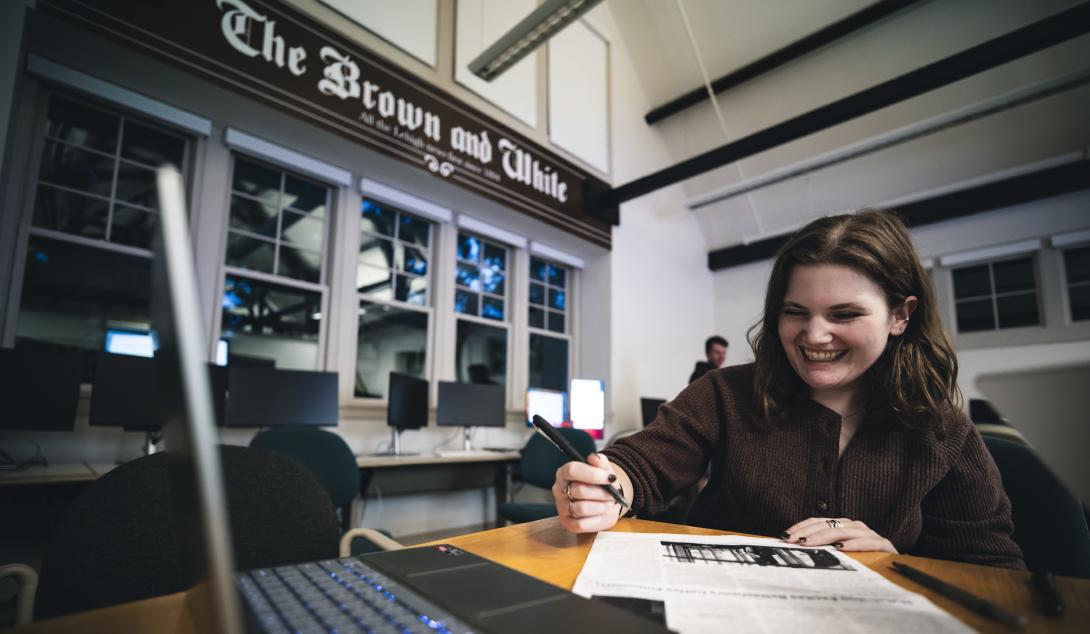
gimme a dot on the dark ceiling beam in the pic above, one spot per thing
(794, 50)
(1053, 30)
(1038, 185)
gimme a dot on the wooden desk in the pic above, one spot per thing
(427, 473)
(545, 550)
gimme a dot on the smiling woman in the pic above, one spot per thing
(846, 431)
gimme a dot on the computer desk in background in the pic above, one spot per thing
(544, 550)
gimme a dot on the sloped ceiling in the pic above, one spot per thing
(728, 34)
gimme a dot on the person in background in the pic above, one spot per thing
(846, 430)
(715, 349)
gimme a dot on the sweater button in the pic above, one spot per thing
(822, 505)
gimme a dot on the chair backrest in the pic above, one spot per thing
(540, 459)
(326, 454)
(118, 541)
(1049, 523)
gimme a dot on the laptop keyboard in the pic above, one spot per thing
(338, 595)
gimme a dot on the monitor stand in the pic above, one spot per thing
(395, 445)
(151, 441)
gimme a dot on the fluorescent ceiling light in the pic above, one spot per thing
(542, 23)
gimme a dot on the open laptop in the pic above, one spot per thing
(426, 589)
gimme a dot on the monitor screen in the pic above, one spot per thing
(407, 402)
(125, 393)
(131, 342)
(649, 409)
(548, 404)
(588, 406)
(39, 388)
(260, 396)
(470, 405)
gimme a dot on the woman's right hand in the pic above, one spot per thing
(581, 502)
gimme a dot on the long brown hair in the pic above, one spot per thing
(914, 381)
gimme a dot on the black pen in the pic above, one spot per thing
(543, 427)
(982, 607)
(1049, 599)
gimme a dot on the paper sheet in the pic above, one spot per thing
(696, 584)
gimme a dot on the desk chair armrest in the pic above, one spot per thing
(27, 579)
(376, 538)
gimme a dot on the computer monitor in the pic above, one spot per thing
(549, 404)
(588, 406)
(131, 342)
(649, 409)
(470, 405)
(267, 397)
(125, 393)
(39, 388)
(407, 408)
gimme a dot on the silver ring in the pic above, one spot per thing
(571, 513)
(567, 491)
(833, 523)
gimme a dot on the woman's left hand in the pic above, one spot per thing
(842, 533)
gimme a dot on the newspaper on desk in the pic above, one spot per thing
(695, 584)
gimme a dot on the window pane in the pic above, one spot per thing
(414, 231)
(78, 169)
(257, 181)
(973, 281)
(492, 308)
(492, 281)
(469, 248)
(1018, 310)
(467, 275)
(79, 124)
(538, 269)
(1080, 302)
(375, 219)
(1077, 265)
(548, 362)
(975, 315)
(415, 261)
(465, 302)
(377, 252)
(253, 216)
(70, 213)
(390, 339)
(151, 147)
(132, 226)
(371, 280)
(537, 318)
(250, 253)
(137, 185)
(299, 264)
(495, 258)
(305, 196)
(556, 321)
(412, 289)
(72, 293)
(556, 299)
(537, 293)
(302, 231)
(1013, 275)
(481, 353)
(271, 321)
(557, 276)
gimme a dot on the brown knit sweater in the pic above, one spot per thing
(929, 497)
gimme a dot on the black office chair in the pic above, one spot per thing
(118, 540)
(327, 456)
(1049, 524)
(540, 460)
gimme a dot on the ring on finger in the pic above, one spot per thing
(571, 511)
(833, 523)
(567, 491)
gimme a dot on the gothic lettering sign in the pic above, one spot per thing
(269, 51)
